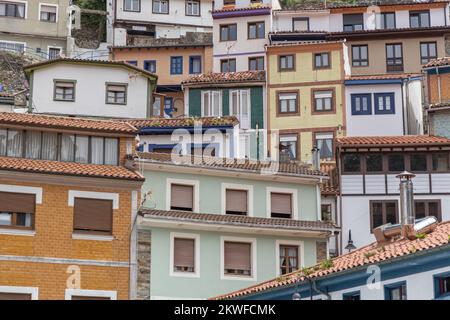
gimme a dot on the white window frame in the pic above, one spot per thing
(132, 10)
(54, 47)
(239, 115)
(194, 183)
(300, 253)
(196, 238)
(16, 42)
(34, 291)
(26, 8)
(252, 241)
(236, 186)
(242, 153)
(293, 192)
(210, 100)
(50, 5)
(90, 293)
(192, 6)
(159, 7)
(93, 195)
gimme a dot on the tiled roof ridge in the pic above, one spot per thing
(231, 8)
(392, 140)
(438, 62)
(210, 120)
(382, 76)
(227, 77)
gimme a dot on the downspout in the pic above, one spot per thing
(132, 281)
(405, 109)
(439, 84)
(338, 168)
(313, 287)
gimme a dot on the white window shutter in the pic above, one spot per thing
(245, 109)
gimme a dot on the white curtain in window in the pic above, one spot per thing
(82, 149)
(97, 150)
(67, 147)
(33, 144)
(2, 142)
(15, 141)
(111, 151)
(49, 146)
(21, 11)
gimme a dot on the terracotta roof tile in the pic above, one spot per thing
(384, 76)
(373, 253)
(237, 220)
(58, 122)
(184, 122)
(68, 168)
(440, 62)
(410, 140)
(232, 8)
(315, 4)
(250, 166)
(438, 106)
(226, 77)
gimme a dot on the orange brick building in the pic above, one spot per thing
(67, 208)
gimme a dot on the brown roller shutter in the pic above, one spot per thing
(184, 254)
(14, 296)
(89, 298)
(281, 204)
(236, 201)
(182, 197)
(93, 215)
(17, 202)
(238, 257)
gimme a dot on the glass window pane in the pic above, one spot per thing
(420, 210)
(418, 162)
(391, 212)
(49, 146)
(5, 219)
(396, 163)
(23, 220)
(3, 133)
(15, 141)
(82, 149)
(33, 144)
(111, 151)
(377, 214)
(352, 163)
(67, 147)
(440, 161)
(374, 163)
(96, 150)
(433, 209)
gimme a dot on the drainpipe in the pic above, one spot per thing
(405, 109)
(312, 285)
(439, 84)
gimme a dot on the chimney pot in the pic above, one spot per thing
(407, 204)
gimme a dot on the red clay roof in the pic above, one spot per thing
(315, 5)
(57, 122)
(373, 253)
(411, 140)
(227, 77)
(384, 76)
(184, 122)
(232, 8)
(68, 169)
(440, 62)
(237, 220)
(249, 166)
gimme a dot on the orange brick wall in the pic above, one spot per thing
(433, 88)
(53, 238)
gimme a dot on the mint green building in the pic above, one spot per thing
(212, 227)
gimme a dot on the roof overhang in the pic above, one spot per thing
(192, 129)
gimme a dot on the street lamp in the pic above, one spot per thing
(350, 246)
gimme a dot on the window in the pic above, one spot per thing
(326, 211)
(395, 291)
(382, 212)
(419, 19)
(288, 147)
(14, 143)
(161, 6)
(394, 57)
(361, 104)
(300, 24)
(181, 197)
(360, 56)
(150, 66)
(81, 149)
(228, 65)
(387, 20)
(256, 30)
(133, 62)
(374, 163)
(156, 108)
(236, 202)
(256, 63)
(15, 296)
(183, 255)
(321, 60)
(238, 258)
(323, 100)
(441, 285)
(168, 105)
(176, 65)
(356, 295)
(48, 13)
(353, 22)
(11, 9)
(54, 53)
(351, 163)
(12, 46)
(324, 141)
(418, 162)
(64, 90)
(286, 63)
(428, 51)
(287, 103)
(17, 210)
(229, 2)
(132, 5)
(228, 32)
(396, 163)
(288, 259)
(211, 103)
(384, 103)
(93, 216)
(116, 93)
(244, 146)
(77, 148)
(195, 64)
(439, 162)
(240, 107)
(281, 205)
(426, 208)
(192, 7)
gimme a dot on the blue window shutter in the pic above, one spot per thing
(360, 97)
(176, 65)
(384, 97)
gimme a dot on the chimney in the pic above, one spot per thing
(315, 157)
(407, 204)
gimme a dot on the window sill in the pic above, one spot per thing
(92, 237)
(240, 278)
(17, 232)
(185, 274)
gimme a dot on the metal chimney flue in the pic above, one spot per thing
(407, 204)
(315, 151)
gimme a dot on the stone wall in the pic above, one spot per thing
(143, 264)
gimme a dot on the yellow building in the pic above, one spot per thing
(306, 98)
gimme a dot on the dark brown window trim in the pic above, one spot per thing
(333, 148)
(228, 32)
(329, 66)
(168, 8)
(228, 61)
(402, 57)
(297, 103)
(428, 58)
(360, 60)
(297, 143)
(427, 208)
(199, 9)
(383, 210)
(140, 5)
(286, 69)
(64, 80)
(333, 101)
(288, 268)
(256, 30)
(256, 58)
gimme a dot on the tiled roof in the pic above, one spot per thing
(384, 76)
(317, 4)
(371, 254)
(438, 106)
(69, 123)
(123, 64)
(227, 77)
(302, 43)
(341, 34)
(440, 62)
(412, 140)
(232, 8)
(68, 168)
(184, 122)
(236, 220)
(331, 186)
(250, 166)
